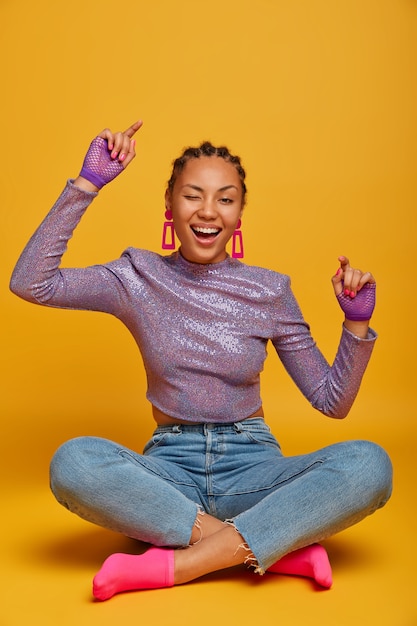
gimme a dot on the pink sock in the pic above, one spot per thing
(311, 562)
(129, 572)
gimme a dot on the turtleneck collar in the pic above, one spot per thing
(201, 268)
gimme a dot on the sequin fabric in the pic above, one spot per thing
(202, 330)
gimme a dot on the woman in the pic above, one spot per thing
(213, 478)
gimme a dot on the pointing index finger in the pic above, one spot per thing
(132, 129)
(344, 262)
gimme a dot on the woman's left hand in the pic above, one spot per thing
(350, 280)
(355, 292)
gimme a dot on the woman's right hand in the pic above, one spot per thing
(108, 155)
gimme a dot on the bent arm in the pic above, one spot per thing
(330, 389)
(37, 276)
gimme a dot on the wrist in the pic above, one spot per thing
(86, 185)
(360, 329)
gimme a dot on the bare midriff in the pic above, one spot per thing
(162, 419)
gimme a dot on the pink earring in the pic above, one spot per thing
(237, 242)
(168, 236)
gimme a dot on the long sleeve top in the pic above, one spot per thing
(202, 330)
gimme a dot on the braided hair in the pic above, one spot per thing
(206, 149)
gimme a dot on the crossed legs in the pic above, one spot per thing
(110, 486)
(214, 545)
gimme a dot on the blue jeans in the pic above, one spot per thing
(234, 472)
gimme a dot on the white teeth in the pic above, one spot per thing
(206, 231)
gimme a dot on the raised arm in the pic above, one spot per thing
(37, 276)
(333, 389)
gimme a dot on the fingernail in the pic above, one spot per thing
(346, 292)
(122, 157)
(338, 271)
(114, 154)
(352, 294)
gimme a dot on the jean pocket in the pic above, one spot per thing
(159, 439)
(262, 437)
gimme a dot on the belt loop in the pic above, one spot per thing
(176, 428)
(238, 427)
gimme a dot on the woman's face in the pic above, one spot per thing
(206, 204)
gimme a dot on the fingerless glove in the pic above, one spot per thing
(359, 308)
(98, 167)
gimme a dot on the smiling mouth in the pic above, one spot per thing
(205, 232)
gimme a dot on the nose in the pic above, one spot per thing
(207, 209)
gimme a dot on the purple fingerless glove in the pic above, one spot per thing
(98, 167)
(361, 307)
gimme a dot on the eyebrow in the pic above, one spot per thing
(197, 188)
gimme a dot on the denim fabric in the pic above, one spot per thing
(234, 472)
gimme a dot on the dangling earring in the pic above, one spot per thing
(237, 242)
(168, 235)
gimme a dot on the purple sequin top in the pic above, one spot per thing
(202, 330)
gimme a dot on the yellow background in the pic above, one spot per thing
(319, 98)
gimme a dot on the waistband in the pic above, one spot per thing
(251, 423)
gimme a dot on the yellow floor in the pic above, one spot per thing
(49, 557)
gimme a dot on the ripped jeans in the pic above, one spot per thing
(234, 472)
